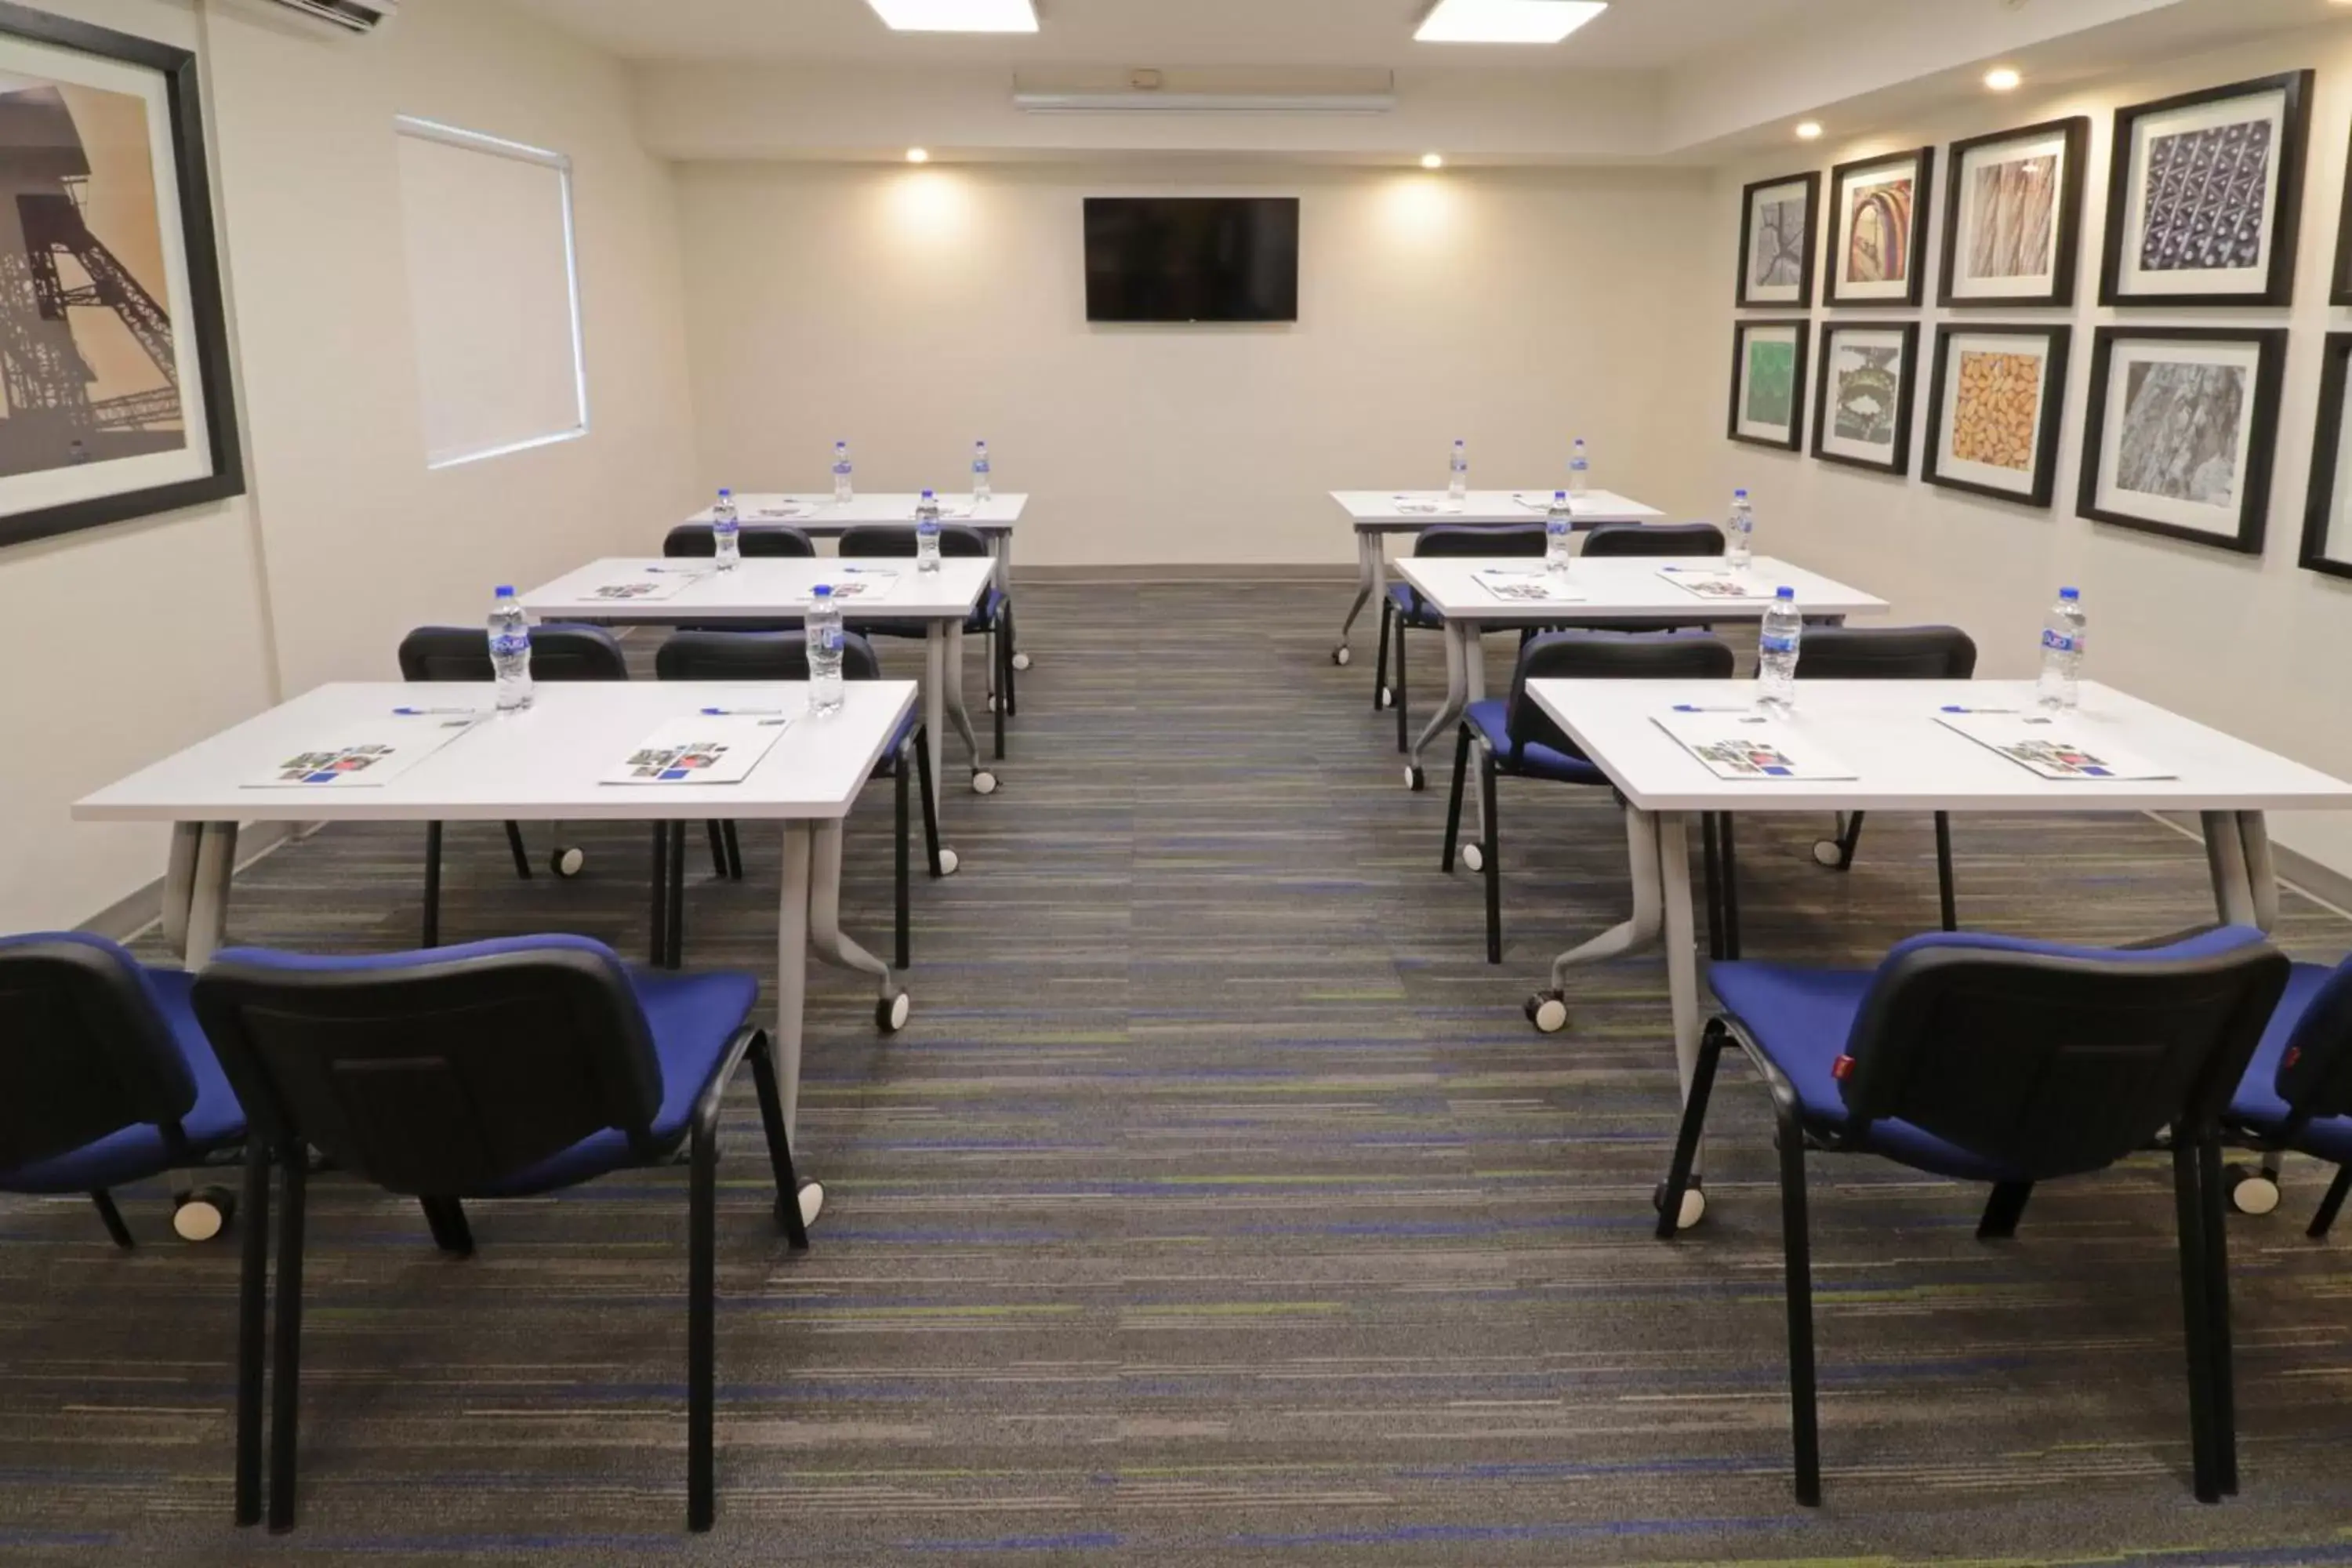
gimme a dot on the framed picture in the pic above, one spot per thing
(1878, 230)
(2014, 216)
(2181, 425)
(2205, 194)
(117, 401)
(1861, 412)
(2339, 290)
(2327, 517)
(1776, 242)
(1768, 382)
(1994, 403)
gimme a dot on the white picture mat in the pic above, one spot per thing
(2221, 521)
(1835, 342)
(739, 740)
(1792, 192)
(407, 740)
(1749, 337)
(1966, 286)
(1707, 736)
(2130, 278)
(1957, 348)
(1527, 585)
(1855, 181)
(2012, 737)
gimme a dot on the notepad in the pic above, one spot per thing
(657, 583)
(867, 583)
(2052, 746)
(372, 754)
(1713, 585)
(1422, 506)
(1751, 748)
(1540, 502)
(781, 511)
(1528, 585)
(710, 749)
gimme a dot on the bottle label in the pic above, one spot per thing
(829, 640)
(511, 647)
(2059, 642)
(1778, 642)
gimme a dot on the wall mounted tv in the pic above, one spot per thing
(1192, 258)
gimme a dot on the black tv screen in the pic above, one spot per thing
(1192, 258)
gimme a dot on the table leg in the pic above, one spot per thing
(208, 896)
(982, 780)
(935, 687)
(1473, 689)
(1368, 571)
(2225, 858)
(1648, 918)
(180, 882)
(831, 943)
(1001, 546)
(792, 997)
(1458, 695)
(1682, 941)
(2262, 871)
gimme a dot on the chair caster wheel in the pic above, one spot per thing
(949, 861)
(2251, 1192)
(1383, 700)
(1021, 661)
(1414, 781)
(1693, 1207)
(1472, 858)
(891, 1012)
(568, 862)
(1548, 1011)
(983, 782)
(204, 1213)
(1830, 853)
(1342, 656)
(811, 1198)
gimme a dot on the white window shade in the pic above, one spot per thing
(493, 292)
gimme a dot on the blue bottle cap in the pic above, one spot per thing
(1739, 495)
(1558, 496)
(506, 592)
(928, 496)
(824, 591)
(1786, 593)
(2070, 592)
(725, 491)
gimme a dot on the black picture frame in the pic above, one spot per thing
(1923, 190)
(2058, 340)
(207, 315)
(2284, 221)
(2067, 243)
(1811, 181)
(2319, 508)
(2254, 494)
(1802, 327)
(1906, 384)
(2339, 290)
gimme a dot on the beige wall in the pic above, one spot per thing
(2254, 647)
(345, 540)
(912, 311)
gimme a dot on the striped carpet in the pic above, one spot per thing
(1218, 1207)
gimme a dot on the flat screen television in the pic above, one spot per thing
(1192, 258)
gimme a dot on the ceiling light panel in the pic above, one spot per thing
(1505, 21)
(958, 15)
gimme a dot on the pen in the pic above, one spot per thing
(1956, 708)
(422, 713)
(1695, 707)
(742, 713)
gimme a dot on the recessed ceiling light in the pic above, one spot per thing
(1811, 131)
(2003, 79)
(1506, 21)
(958, 15)
(1431, 161)
(919, 156)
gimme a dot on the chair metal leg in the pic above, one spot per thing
(432, 933)
(252, 1336)
(931, 800)
(112, 1218)
(286, 1362)
(718, 835)
(2337, 1191)
(451, 1234)
(1943, 870)
(1678, 1174)
(1796, 1242)
(1453, 802)
(2218, 1354)
(1011, 652)
(516, 848)
(1730, 886)
(734, 851)
(780, 1149)
(1397, 693)
(1000, 655)
(2003, 1210)
(660, 943)
(2189, 1217)
(676, 955)
(898, 856)
(701, 1288)
(1849, 839)
(1380, 660)
(1493, 852)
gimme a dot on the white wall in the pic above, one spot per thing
(2252, 645)
(911, 310)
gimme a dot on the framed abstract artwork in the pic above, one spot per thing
(2014, 216)
(2180, 429)
(118, 399)
(2205, 196)
(1778, 218)
(1878, 230)
(1862, 408)
(1767, 382)
(2327, 517)
(1994, 403)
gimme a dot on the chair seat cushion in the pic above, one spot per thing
(1412, 610)
(1491, 720)
(139, 1154)
(2257, 1108)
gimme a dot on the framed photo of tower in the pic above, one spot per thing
(2205, 195)
(115, 399)
(1878, 230)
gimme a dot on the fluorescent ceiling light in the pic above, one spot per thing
(958, 15)
(1505, 21)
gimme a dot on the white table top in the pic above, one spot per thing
(821, 515)
(1627, 588)
(762, 589)
(542, 764)
(1379, 511)
(1887, 733)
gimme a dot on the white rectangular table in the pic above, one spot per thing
(1888, 734)
(1620, 590)
(766, 589)
(1375, 514)
(542, 764)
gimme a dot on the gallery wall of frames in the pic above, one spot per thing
(2201, 214)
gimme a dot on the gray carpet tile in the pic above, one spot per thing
(1218, 1207)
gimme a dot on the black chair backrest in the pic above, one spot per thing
(1499, 538)
(1621, 539)
(2052, 1063)
(1603, 655)
(1886, 653)
(757, 655)
(435, 1075)
(756, 541)
(898, 539)
(2314, 1074)
(85, 1050)
(557, 653)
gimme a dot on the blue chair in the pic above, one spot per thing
(2009, 1062)
(1619, 540)
(2298, 1094)
(1514, 737)
(501, 1069)
(107, 1078)
(1404, 608)
(991, 618)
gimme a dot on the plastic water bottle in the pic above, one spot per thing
(726, 532)
(842, 490)
(1560, 527)
(1739, 533)
(927, 534)
(1458, 488)
(510, 651)
(2060, 688)
(982, 482)
(1776, 660)
(1580, 471)
(825, 639)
